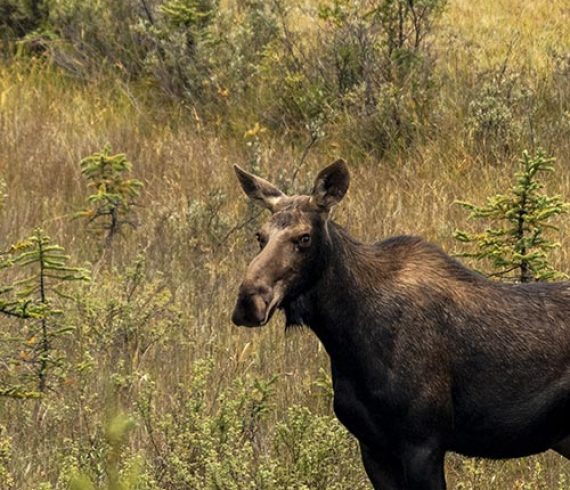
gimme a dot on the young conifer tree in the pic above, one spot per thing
(516, 242)
(36, 299)
(110, 207)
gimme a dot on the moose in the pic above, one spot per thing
(427, 356)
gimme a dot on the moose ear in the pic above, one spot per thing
(331, 185)
(259, 190)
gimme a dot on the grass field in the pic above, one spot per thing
(216, 407)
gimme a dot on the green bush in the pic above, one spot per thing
(499, 114)
(317, 453)
(123, 318)
(368, 69)
(6, 479)
(19, 18)
(365, 66)
(92, 36)
(120, 473)
(180, 45)
(222, 440)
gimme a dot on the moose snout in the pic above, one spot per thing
(252, 305)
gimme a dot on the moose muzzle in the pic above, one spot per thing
(255, 305)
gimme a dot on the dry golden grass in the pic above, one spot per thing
(524, 32)
(48, 122)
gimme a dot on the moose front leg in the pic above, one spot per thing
(563, 448)
(417, 468)
(424, 467)
(383, 469)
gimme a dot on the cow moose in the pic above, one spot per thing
(426, 355)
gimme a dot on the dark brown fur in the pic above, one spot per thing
(426, 355)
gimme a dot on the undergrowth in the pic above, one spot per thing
(184, 89)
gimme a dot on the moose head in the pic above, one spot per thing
(292, 243)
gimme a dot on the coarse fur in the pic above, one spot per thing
(426, 355)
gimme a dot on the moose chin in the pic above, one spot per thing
(426, 355)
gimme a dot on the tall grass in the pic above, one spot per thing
(196, 242)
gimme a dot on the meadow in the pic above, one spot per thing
(154, 388)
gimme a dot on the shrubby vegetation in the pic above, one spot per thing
(367, 69)
(135, 378)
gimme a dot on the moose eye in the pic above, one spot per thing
(260, 239)
(304, 241)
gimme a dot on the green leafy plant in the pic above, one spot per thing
(36, 299)
(223, 438)
(110, 207)
(126, 316)
(316, 452)
(498, 113)
(179, 54)
(21, 17)
(516, 243)
(369, 71)
(118, 478)
(188, 13)
(6, 478)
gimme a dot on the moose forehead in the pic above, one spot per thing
(285, 219)
(297, 212)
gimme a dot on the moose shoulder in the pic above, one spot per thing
(426, 355)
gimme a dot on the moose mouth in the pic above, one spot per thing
(271, 307)
(254, 310)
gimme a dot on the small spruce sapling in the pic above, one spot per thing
(516, 242)
(110, 207)
(36, 298)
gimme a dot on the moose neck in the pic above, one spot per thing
(341, 307)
